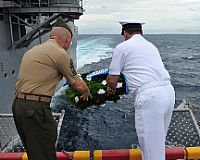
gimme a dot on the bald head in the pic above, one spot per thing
(59, 32)
(62, 36)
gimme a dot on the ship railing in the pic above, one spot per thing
(8, 3)
(39, 3)
(8, 132)
(173, 153)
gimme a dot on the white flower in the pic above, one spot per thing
(101, 91)
(76, 99)
(119, 85)
(104, 82)
(88, 78)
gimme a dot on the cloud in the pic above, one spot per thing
(161, 16)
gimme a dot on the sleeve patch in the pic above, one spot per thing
(73, 70)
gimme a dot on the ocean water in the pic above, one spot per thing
(111, 125)
(180, 54)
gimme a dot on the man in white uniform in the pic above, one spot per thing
(149, 83)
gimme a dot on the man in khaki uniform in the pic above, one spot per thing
(42, 67)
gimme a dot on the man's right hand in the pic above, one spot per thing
(83, 88)
(86, 96)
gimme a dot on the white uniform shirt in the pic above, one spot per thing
(139, 61)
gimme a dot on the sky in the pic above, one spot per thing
(160, 16)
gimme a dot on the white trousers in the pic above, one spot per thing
(154, 104)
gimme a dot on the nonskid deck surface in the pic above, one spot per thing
(9, 138)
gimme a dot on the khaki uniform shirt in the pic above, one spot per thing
(42, 67)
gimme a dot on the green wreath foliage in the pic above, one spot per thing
(95, 84)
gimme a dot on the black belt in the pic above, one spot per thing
(34, 97)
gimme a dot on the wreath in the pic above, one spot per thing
(96, 81)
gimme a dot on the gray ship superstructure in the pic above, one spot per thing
(24, 23)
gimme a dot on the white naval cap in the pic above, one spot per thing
(131, 21)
